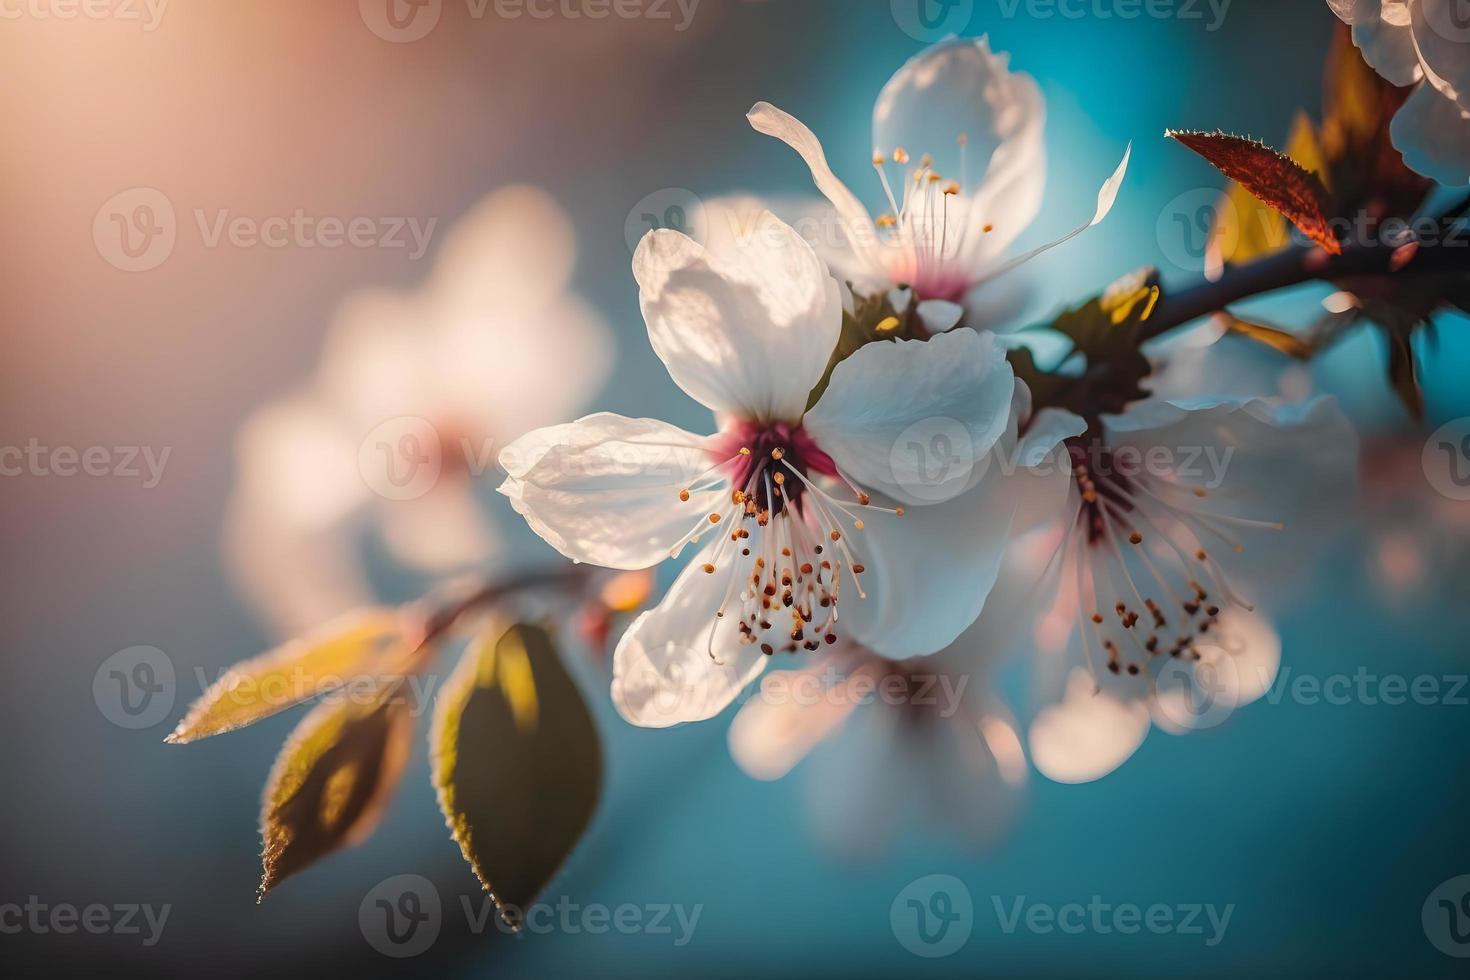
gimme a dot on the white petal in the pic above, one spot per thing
(509, 256)
(930, 572)
(1088, 734)
(857, 223)
(747, 330)
(792, 713)
(663, 670)
(959, 87)
(1433, 134)
(1441, 33)
(1293, 463)
(1238, 663)
(1388, 48)
(915, 419)
(1107, 195)
(939, 315)
(969, 789)
(861, 781)
(605, 489)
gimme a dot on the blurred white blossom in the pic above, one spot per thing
(414, 395)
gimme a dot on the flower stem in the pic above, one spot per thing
(1294, 266)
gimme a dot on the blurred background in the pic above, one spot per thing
(1325, 825)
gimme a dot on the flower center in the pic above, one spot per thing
(784, 541)
(1144, 577)
(928, 228)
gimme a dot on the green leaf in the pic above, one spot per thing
(517, 764)
(333, 779)
(1273, 177)
(363, 642)
(1108, 332)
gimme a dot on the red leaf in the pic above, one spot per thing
(1271, 176)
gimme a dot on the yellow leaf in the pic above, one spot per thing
(516, 762)
(367, 642)
(333, 779)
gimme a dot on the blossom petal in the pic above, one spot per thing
(1257, 459)
(1387, 47)
(916, 419)
(794, 711)
(747, 329)
(1433, 134)
(1107, 196)
(1088, 734)
(605, 489)
(1442, 41)
(960, 87)
(679, 663)
(857, 224)
(929, 573)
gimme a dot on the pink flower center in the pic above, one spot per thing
(784, 541)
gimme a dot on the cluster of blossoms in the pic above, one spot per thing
(826, 541)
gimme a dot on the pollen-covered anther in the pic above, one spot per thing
(900, 155)
(888, 324)
(684, 496)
